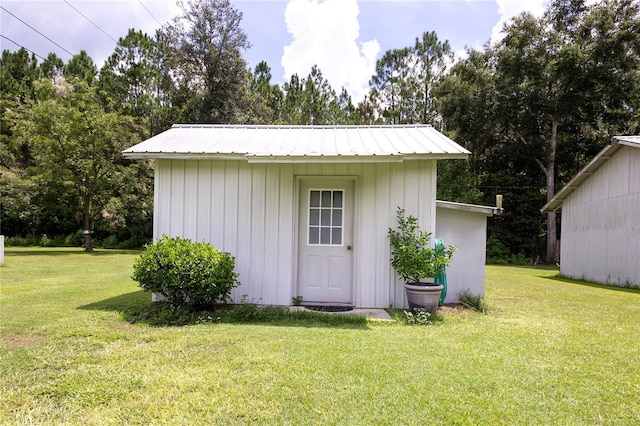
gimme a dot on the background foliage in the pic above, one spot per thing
(533, 109)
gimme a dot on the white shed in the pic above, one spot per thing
(600, 235)
(305, 210)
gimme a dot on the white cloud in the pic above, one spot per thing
(325, 33)
(508, 9)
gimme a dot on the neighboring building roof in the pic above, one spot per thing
(299, 143)
(475, 208)
(616, 143)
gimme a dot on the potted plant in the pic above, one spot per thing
(417, 263)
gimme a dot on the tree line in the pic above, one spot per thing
(532, 108)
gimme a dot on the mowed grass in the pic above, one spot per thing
(550, 351)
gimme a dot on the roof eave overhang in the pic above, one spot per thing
(180, 156)
(350, 158)
(289, 158)
(473, 208)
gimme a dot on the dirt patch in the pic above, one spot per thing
(20, 341)
(457, 309)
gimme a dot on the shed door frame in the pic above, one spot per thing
(355, 228)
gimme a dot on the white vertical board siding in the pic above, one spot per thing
(237, 207)
(249, 210)
(243, 230)
(383, 294)
(384, 187)
(601, 223)
(189, 211)
(176, 203)
(396, 198)
(468, 231)
(370, 239)
(285, 234)
(203, 210)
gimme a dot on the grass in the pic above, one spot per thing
(549, 351)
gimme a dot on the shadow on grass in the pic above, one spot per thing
(38, 251)
(137, 308)
(593, 284)
(124, 303)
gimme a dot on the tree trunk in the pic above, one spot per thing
(550, 173)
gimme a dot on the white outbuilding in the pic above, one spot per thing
(600, 235)
(305, 209)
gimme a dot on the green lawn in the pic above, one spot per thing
(550, 351)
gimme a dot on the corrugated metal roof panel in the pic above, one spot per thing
(556, 202)
(298, 143)
(628, 140)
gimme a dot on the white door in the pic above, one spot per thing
(325, 255)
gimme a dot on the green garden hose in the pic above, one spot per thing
(441, 276)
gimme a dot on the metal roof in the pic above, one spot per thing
(290, 144)
(616, 143)
(474, 208)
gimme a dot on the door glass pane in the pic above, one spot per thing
(325, 235)
(337, 217)
(326, 198)
(314, 235)
(314, 217)
(325, 217)
(336, 236)
(314, 199)
(337, 198)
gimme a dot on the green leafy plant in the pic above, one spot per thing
(186, 273)
(420, 316)
(411, 256)
(296, 300)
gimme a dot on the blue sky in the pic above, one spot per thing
(343, 37)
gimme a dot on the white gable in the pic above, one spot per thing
(603, 156)
(299, 143)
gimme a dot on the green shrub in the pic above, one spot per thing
(16, 242)
(186, 273)
(45, 241)
(497, 253)
(110, 242)
(129, 244)
(74, 240)
(519, 259)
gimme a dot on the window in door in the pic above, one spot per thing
(325, 217)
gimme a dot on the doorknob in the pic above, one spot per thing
(348, 247)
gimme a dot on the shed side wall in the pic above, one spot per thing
(467, 231)
(601, 224)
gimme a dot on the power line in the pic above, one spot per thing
(145, 8)
(28, 50)
(71, 54)
(94, 24)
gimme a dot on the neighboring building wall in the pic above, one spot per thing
(601, 223)
(468, 231)
(250, 210)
